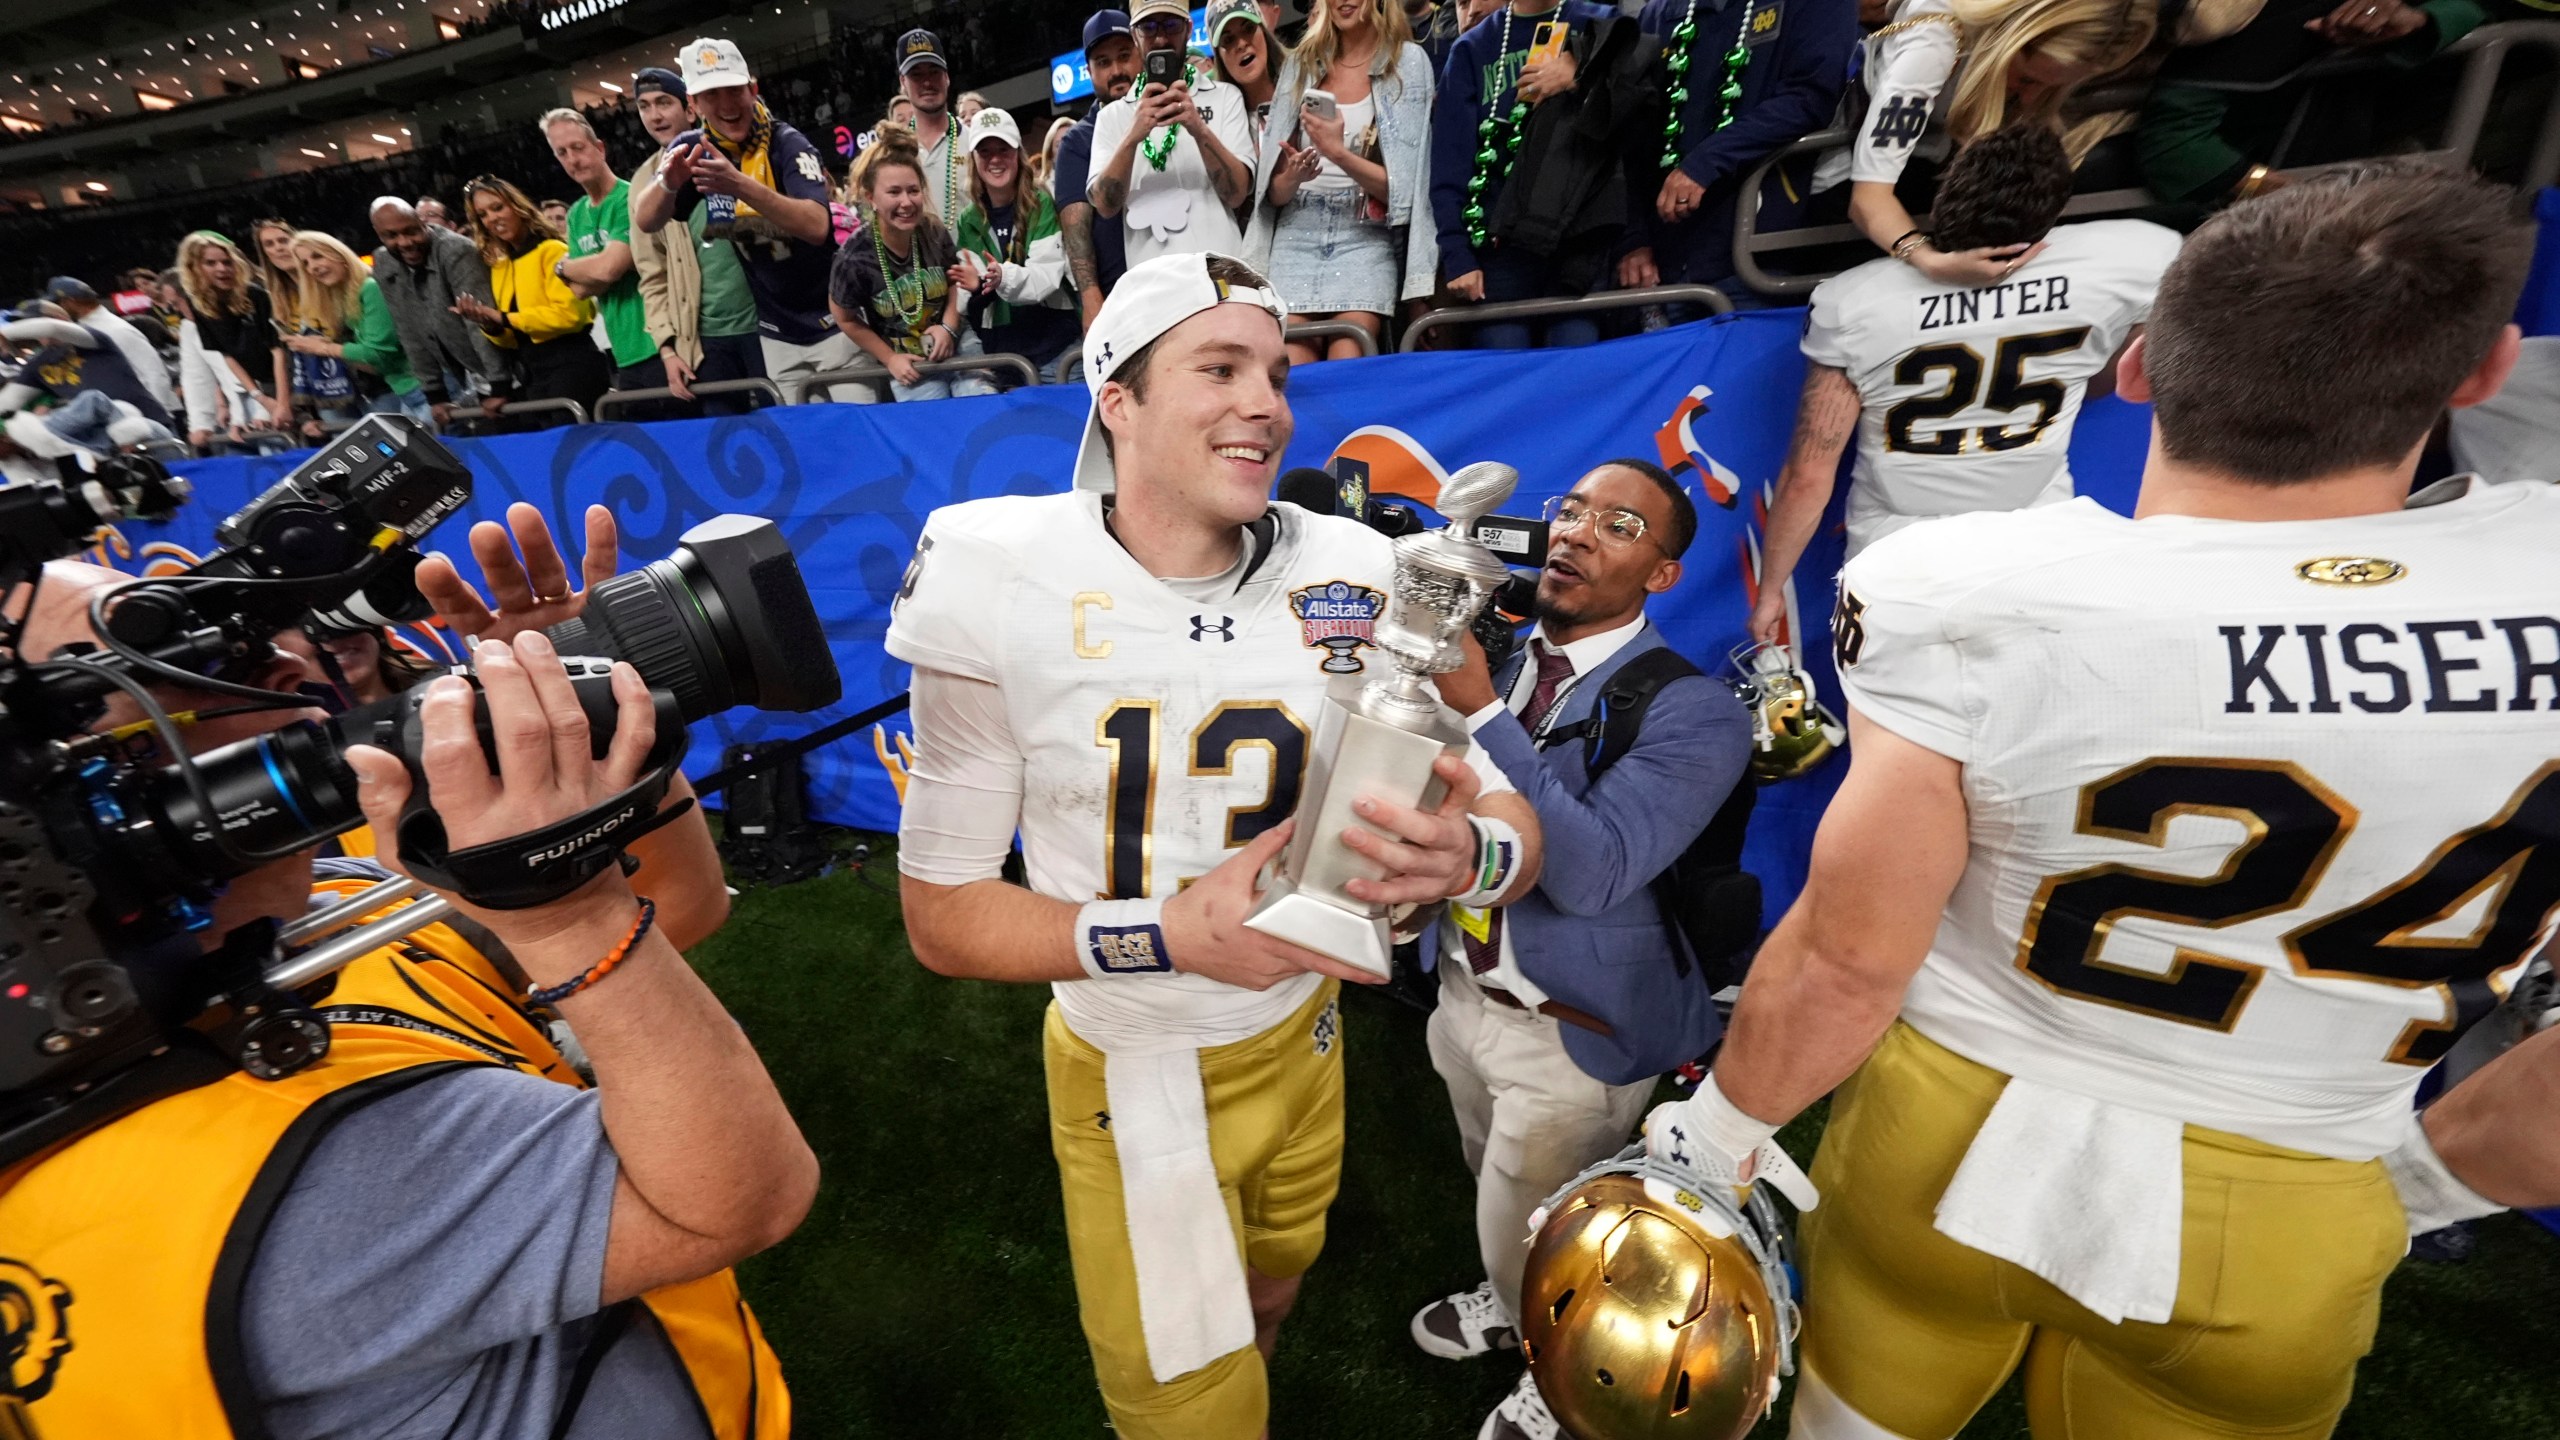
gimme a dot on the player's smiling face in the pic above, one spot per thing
(1214, 418)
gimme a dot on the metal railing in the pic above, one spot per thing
(872, 372)
(2483, 53)
(1069, 366)
(613, 400)
(477, 422)
(1320, 332)
(1716, 301)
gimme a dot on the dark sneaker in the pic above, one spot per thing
(1465, 1325)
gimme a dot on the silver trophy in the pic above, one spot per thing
(1379, 738)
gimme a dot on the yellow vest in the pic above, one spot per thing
(123, 1252)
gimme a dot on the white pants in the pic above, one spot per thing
(1528, 1117)
(785, 364)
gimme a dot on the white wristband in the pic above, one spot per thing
(1497, 860)
(1723, 1124)
(2432, 1194)
(1122, 937)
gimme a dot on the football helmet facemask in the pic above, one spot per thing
(1792, 731)
(1655, 1306)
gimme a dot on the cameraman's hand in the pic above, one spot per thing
(546, 771)
(532, 592)
(1428, 854)
(1205, 931)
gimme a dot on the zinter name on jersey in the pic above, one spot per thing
(2042, 295)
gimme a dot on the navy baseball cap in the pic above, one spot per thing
(67, 287)
(657, 81)
(920, 47)
(1104, 25)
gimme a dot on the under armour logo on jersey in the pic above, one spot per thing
(1225, 629)
(1901, 120)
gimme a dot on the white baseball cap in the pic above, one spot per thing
(1153, 297)
(714, 65)
(992, 123)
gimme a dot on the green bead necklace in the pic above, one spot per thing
(897, 284)
(1500, 142)
(1676, 62)
(1158, 148)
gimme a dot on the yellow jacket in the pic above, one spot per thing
(127, 1248)
(538, 304)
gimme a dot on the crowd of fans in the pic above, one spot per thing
(1377, 159)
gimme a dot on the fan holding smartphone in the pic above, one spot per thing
(1169, 155)
(1351, 118)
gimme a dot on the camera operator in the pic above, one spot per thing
(1557, 1011)
(437, 1220)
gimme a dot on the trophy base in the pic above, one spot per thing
(1329, 930)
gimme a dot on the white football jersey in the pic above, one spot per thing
(2262, 814)
(1970, 395)
(1159, 734)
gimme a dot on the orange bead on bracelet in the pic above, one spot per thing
(557, 993)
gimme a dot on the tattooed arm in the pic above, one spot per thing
(1075, 232)
(1826, 418)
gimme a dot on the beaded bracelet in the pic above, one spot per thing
(553, 995)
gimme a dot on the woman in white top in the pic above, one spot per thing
(1962, 69)
(1347, 229)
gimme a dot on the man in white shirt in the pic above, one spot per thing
(2133, 919)
(1174, 162)
(1962, 398)
(1127, 674)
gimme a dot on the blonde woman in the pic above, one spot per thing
(345, 320)
(235, 319)
(1044, 165)
(1345, 228)
(2005, 60)
(536, 316)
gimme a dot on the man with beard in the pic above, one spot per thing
(421, 270)
(924, 82)
(1095, 254)
(1557, 1011)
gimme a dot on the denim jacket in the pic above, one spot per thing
(1404, 142)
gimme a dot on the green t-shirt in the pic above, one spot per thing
(626, 317)
(728, 306)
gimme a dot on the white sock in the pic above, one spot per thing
(1821, 1414)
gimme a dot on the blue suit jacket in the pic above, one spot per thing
(1590, 934)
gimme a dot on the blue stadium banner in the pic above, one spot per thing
(851, 486)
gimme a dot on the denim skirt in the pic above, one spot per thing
(1326, 259)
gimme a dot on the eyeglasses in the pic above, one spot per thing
(1612, 527)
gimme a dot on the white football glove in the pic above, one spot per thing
(1712, 1136)
(2432, 1195)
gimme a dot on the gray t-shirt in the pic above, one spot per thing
(435, 1270)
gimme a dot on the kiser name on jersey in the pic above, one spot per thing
(2391, 667)
(2042, 295)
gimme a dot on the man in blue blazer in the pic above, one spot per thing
(1558, 1011)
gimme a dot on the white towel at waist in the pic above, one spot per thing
(1192, 1303)
(2089, 1195)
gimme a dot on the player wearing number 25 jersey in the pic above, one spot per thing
(2175, 848)
(1961, 399)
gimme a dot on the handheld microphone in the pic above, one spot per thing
(1309, 489)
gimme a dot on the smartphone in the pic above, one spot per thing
(1164, 67)
(1321, 104)
(1548, 43)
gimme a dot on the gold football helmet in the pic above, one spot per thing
(1791, 729)
(1654, 1306)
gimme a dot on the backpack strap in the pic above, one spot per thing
(1618, 716)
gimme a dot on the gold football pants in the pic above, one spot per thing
(1275, 1136)
(2281, 1265)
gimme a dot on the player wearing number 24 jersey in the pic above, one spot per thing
(2175, 848)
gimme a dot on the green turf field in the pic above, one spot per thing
(928, 1294)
